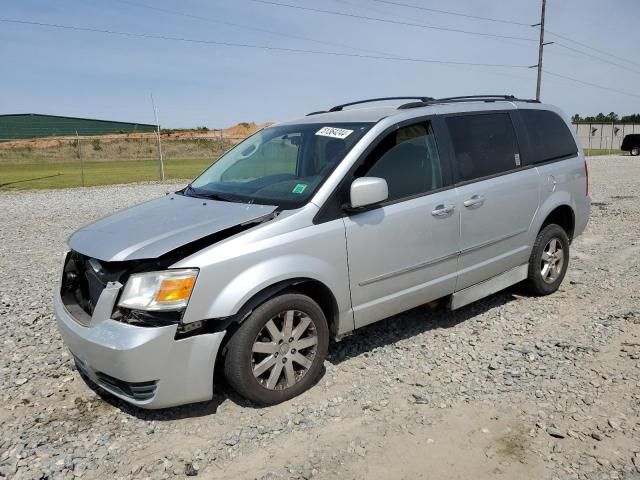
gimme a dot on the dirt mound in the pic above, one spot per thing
(244, 129)
(239, 131)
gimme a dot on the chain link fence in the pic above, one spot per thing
(76, 161)
(601, 138)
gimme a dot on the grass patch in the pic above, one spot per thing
(43, 175)
(592, 152)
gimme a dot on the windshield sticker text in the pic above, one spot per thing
(333, 132)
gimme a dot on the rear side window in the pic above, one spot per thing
(549, 135)
(484, 145)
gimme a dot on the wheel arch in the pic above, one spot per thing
(558, 207)
(562, 215)
(314, 289)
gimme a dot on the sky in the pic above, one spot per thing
(96, 75)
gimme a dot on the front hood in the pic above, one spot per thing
(154, 228)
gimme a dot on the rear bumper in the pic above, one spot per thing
(145, 366)
(583, 212)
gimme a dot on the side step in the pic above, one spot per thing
(493, 285)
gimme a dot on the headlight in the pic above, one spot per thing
(166, 290)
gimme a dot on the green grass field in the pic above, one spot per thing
(43, 164)
(15, 176)
(593, 152)
(52, 167)
(55, 163)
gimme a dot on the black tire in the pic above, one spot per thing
(240, 359)
(536, 284)
(635, 151)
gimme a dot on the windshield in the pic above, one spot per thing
(282, 165)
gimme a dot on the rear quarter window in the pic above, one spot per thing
(549, 135)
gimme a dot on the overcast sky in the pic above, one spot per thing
(86, 74)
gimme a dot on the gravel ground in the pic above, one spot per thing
(509, 386)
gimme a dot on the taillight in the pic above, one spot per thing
(586, 174)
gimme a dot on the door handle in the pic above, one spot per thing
(474, 201)
(443, 210)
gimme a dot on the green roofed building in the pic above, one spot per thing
(32, 125)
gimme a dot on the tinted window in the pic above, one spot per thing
(408, 160)
(549, 135)
(484, 145)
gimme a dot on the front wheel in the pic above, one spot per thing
(278, 351)
(549, 260)
(635, 151)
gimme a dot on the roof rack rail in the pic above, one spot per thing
(478, 97)
(339, 108)
(316, 113)
(467, 98)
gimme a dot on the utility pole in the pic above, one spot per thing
(160, 160)
(80, 158)
(540, 48)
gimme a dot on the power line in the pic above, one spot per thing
(590, 84)
(457, 14)
(197, 17)
(592, 48)
(261, 47)
(395, 22)
(239, 25)
(512, 22)
(562, 45)
(208, 19)
(247, 27)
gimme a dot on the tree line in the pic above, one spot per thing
(612, 117)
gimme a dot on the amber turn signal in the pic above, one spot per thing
(175, 289)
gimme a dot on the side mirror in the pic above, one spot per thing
(368, 191)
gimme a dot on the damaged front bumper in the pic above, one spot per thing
(145, 366)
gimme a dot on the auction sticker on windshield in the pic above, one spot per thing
(299, 188)
(333, 132)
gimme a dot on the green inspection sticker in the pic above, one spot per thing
(299, 188)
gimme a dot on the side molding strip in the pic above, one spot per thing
(412, 268)
(495, 240)
(428, 263)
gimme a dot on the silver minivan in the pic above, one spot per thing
(313, 228)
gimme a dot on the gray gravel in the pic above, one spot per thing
(511, 385)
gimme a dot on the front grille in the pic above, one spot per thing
(139, 391)
(84, 279)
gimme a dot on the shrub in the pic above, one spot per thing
(96, 144)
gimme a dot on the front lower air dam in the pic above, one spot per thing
(145, 366)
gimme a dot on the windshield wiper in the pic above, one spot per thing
(192, 192)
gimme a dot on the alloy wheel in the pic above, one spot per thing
(552, 260)
(284, 350)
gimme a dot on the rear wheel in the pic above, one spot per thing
(549, 260)
(635, 151)
(278, 352)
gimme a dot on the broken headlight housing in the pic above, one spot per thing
(167, 290)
